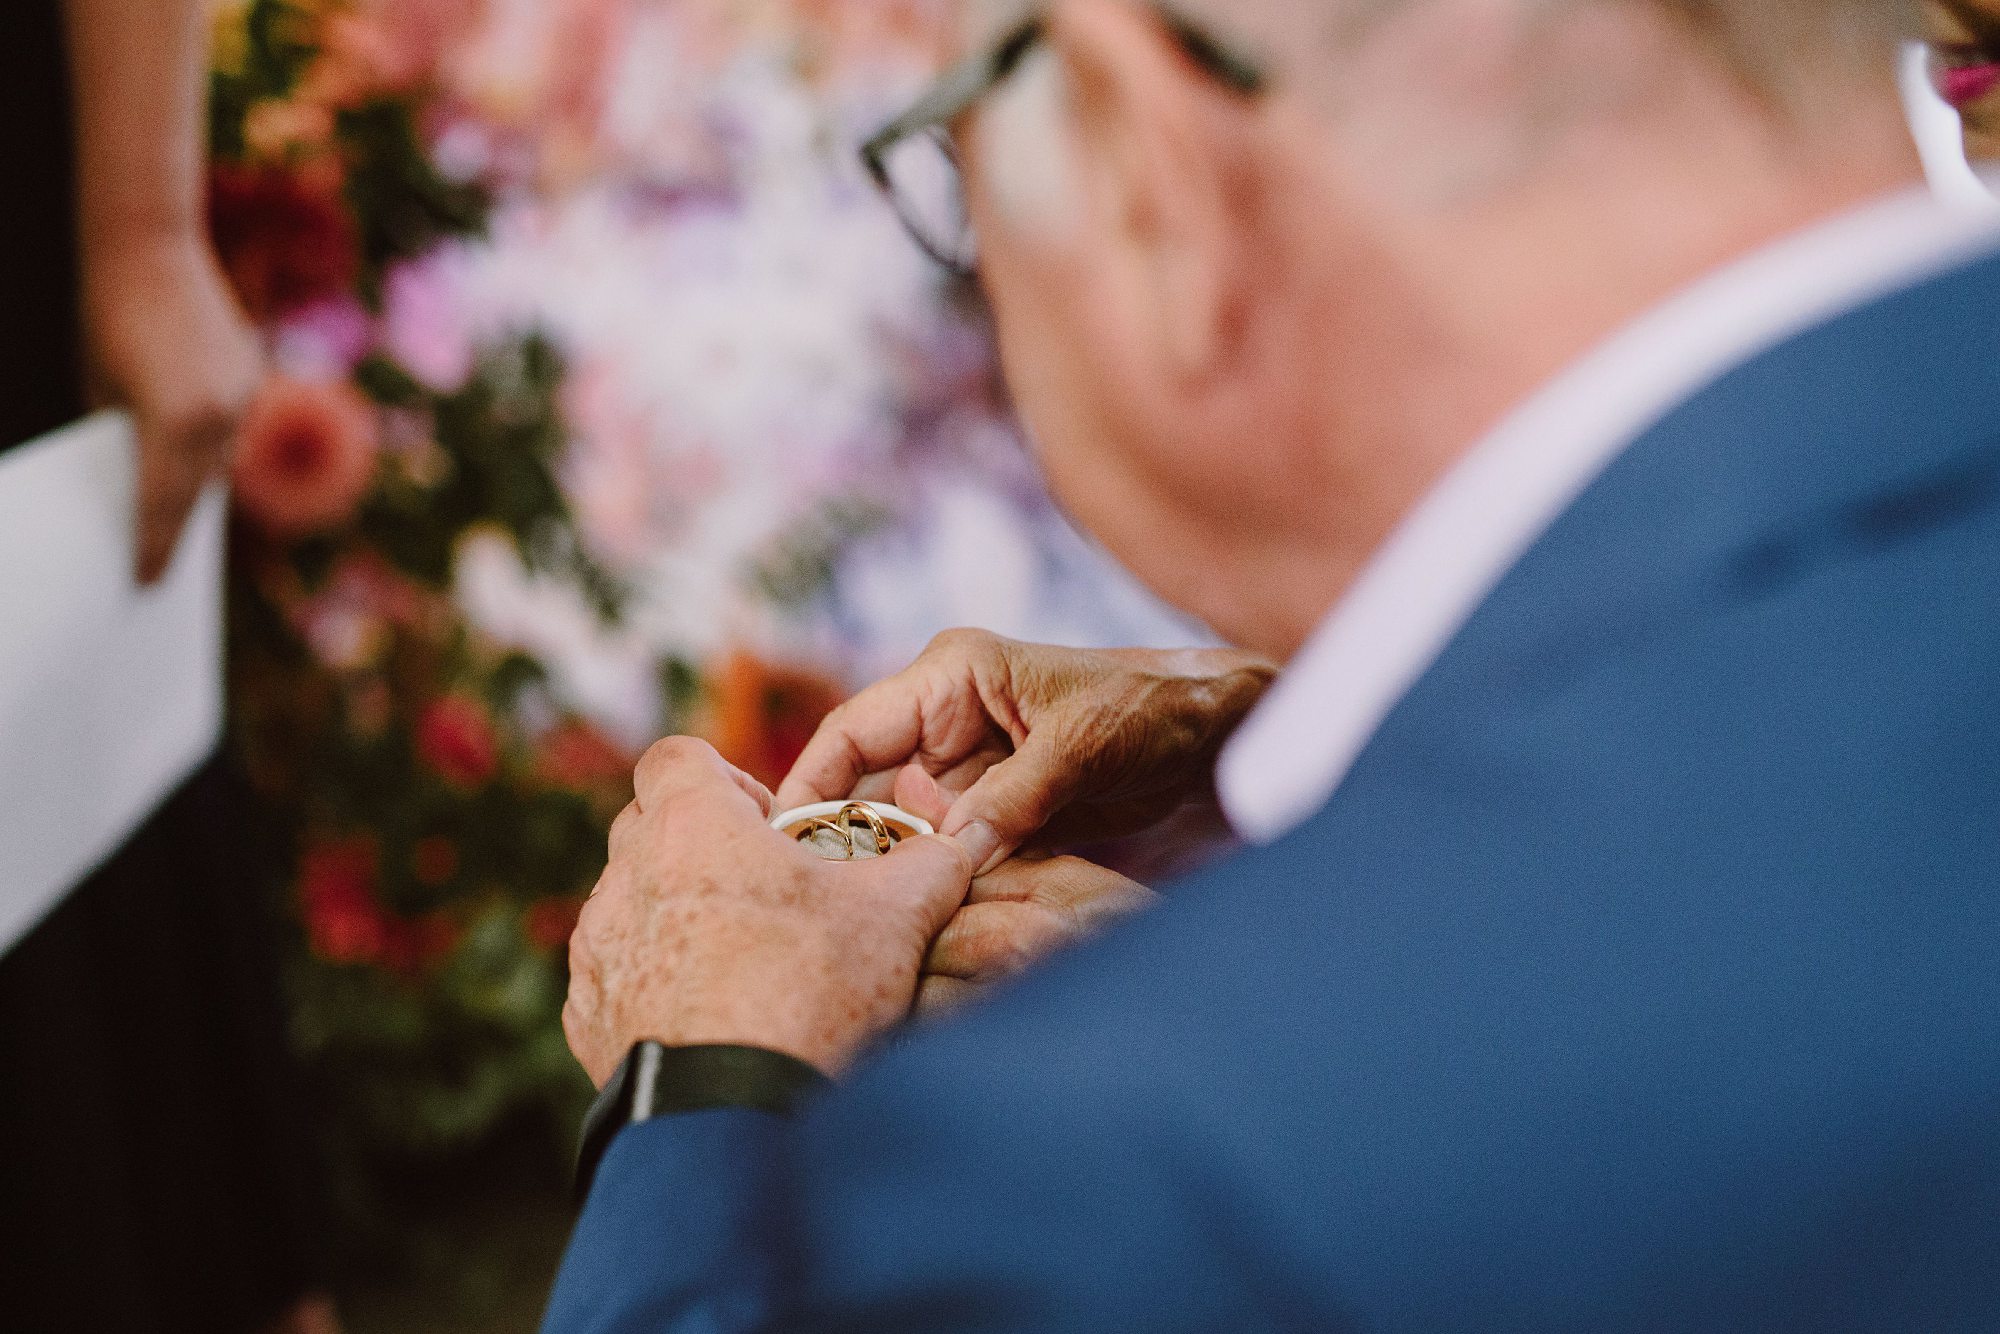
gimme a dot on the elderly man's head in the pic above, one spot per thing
(1250, 326)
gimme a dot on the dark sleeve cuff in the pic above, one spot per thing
(657, 1080)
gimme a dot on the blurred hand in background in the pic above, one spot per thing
(168, 342)
(165, 337)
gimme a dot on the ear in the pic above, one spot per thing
(1163, 156)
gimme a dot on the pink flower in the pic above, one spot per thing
(423, 330)
(348, 619)
(456, 739)
(307, 456)
(608, 469)
(376, 48)
(326, 339)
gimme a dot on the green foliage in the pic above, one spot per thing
(275, 45)
(402, 204)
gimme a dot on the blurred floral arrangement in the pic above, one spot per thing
(596, 355)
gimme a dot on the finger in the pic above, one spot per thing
(985, 941)
(1029, 877)
(1080, 895)
(876, 787)
(941, 996)
(174, 466)
(682, 765)
(755, 790)
(1013, 800)
(933, 711)
(623, 827)
(924, 877)
(919, 794)
(877, 730)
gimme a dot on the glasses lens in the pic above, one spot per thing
(930, 194)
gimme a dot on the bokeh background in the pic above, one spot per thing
(612, 402)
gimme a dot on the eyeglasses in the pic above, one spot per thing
(915, 164)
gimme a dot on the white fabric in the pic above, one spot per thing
(1296, 748)
(110, 695)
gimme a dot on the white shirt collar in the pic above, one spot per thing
(1296, 748)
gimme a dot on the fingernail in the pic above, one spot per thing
(982, 846)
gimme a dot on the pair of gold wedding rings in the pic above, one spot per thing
(847, 831)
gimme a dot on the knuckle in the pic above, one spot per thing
(666, 755)
(998, 945)
(963, 641)
(677, 750)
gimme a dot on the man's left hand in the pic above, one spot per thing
(708, 926)
(1018, 914)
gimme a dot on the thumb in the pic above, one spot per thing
(920, 794)
(174, 466)
(1012, 801)
(928, 876)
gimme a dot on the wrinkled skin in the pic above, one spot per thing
(710, 926)
(1032, 746)
(1021, 912)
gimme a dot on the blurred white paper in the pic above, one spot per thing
(110, 694)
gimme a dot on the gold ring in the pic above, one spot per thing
(859, 812)
(812, 827)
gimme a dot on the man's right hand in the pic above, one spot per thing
(1029, 743)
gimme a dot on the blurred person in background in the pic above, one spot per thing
(1964, 37)
(152, 1164)
(1571, 397)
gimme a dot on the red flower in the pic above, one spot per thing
(344, 921)
(456, 739)
(307, 456)
(578, 757)
(284, 234)
(549, 924)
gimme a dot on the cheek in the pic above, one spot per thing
(1982, 135)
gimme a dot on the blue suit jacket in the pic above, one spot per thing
(1645, 973)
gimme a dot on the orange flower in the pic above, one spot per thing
(456, 739)
(762, 716)
(277, 128)
(344, 921)
(307, 456)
